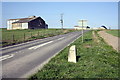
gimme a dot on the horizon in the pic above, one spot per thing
(97, 13)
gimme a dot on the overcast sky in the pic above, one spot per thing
(97, 13)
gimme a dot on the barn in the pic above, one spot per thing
(80, 27)
(31, 22)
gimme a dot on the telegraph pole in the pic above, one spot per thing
(61, 20)
(82, 31)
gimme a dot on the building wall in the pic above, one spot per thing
(38, 23)
(24, 25)
(17, 26)
(101, 28)
(46, 26)
(9, 24)
(97, 28)
(79, 28)
(20, 26)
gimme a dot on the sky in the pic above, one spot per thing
(96, 13)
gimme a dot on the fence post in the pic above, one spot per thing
(38, 33)
(13, 36)
(31, 34)
(24, 37)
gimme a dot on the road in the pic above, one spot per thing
(22, 60)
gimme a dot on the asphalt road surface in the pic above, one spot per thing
(22, 60)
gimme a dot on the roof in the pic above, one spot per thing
(24, 20)
(76, 26)
(30, 17)
(104, 27)
(18, 19)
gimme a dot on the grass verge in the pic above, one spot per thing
(94, 60)
(114, 32)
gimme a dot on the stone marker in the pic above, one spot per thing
(72, 54)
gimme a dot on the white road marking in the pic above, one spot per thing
(61, 38)
(35, 47)
(6, 57)
(71, 34)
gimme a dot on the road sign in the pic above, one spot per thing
(82, 23)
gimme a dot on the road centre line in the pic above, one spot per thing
(35, 47)
(6, 57)
(60, 38)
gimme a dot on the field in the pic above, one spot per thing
(95, 59)
(114, 32)
(11, 37)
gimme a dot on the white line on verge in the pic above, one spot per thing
(60, 38)
(6, 57)
(35, 47)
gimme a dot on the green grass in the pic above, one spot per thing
(10, 37)
(96, 61)
(114, 32)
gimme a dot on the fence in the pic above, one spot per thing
(10, 38)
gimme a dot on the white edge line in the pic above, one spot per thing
(45, 62)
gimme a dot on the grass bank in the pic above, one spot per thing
(95, 59)
(114, 32)
(11, 37)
